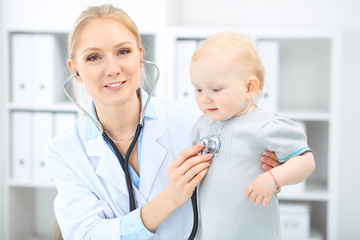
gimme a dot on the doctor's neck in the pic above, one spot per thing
(120, 121)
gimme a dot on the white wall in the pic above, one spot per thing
(1, 124)
(342, 14)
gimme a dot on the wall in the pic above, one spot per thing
(1, 124)
(343, 15)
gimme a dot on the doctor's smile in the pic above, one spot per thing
(115, 86)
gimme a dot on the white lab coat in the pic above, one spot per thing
(92, 191)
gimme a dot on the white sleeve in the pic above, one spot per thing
(83, 215)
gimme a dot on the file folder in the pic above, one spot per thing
(35, 69)
(21, 145)
(269, 54)
(184, 50)
(42, 134)
(21, 68)
(44, 69)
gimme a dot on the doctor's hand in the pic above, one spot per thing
(185, 172)
(261, 189)
(269, 160)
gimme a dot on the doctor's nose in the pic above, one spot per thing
(113, 68)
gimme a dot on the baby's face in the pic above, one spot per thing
(220, 87)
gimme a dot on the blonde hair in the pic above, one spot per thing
(238, 47)
(103, 11)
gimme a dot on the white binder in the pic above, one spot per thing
(269, 54)
(34, 69)
(20, 145)
(44, 48)
(42, 133)
(184, 51)
(22, 60)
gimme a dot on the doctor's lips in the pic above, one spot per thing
(116, 85)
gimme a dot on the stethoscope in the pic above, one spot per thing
(211, 145)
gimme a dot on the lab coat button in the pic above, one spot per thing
(132, 228)
(142, 236)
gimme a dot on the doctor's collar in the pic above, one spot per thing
(92, 131)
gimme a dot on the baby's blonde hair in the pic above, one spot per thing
(106, 11)
(237, 47)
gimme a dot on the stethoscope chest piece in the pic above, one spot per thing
(211, 144)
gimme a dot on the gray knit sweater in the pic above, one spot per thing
(225, 213)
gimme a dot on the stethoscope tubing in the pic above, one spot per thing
(195, 214)
(125, 162)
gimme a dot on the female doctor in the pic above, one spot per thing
(92, 201)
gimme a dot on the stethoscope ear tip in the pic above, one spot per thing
(77, 74)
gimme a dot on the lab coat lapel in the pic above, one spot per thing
(108, 166)
(153, 153)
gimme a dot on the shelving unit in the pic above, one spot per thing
(308, 91)
(29, 201)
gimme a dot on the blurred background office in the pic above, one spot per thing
(311, 53)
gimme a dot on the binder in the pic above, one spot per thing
(21, 68)
(35, 70)
(20, 145)
(184, 51)
(44, 48)
(63, 121)
(42, 133)
(269, 54)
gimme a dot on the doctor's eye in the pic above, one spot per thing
(123, 51)
(198, 90)
(92, 58)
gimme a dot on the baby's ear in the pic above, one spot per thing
(252, 87)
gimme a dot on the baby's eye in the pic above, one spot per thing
(216, 89)
(198, 90)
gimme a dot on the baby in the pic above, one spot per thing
(227, 74)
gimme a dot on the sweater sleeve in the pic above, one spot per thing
(284, 137)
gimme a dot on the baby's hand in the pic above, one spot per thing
(261, 189)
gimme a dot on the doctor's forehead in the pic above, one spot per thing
(102, 33)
